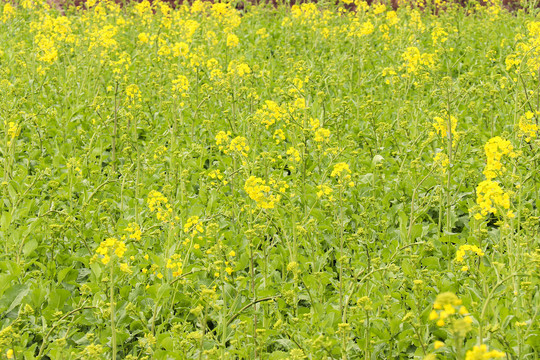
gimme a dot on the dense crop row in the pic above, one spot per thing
(272, 183)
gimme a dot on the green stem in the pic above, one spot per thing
(113, 327)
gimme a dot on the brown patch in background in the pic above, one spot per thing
(511, 5)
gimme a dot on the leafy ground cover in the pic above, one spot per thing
(272, 183)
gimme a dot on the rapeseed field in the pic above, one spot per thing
(241, 181)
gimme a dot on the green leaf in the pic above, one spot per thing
(30, 246)
(14, 296)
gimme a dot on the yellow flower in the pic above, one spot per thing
(10, 354)
(438, 345)
(490, 195)
(527, 127)
(193, 226)
(143, 38)
(379, 8)
(413, 60)
(324, 190)
(270, 113)
(340, 169)
(441, 160)
(441, 127)
(180, 86)
(495, 149)
(300, 103)
(232, 40)
(8, 12)
(481, 353)
(294, 155)
(446, 307)
(321, 135)
(159, 204)
(111, 246)
(124, 267)
(175, 264)
(446, 298)
(13, 130)
(239, 144)
(258, 190)
(135, 231)
(460, 254)
(222, 139)
(342, 172)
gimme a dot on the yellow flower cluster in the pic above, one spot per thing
(495, 149)
(304, 11)
(180, 86)
(464, 248)
(159, 204)
(133, 93)
(527, 128)
(439, 35)
(438, 344)
(143, 38)
(51, 32)
(321, 135)
(135, 231)
(217, 175)
(8, 12)
(489, 195)
(462, 251)
(238, 69)
(175, 264)
(294, 155)
(324, 190)
(441, 128)
(144, 11)
(7, 337)
(441, 160)
(392, 18)
(111, 246)
(270, 113)
(193, 226)
(413, 60)
(159, 151)
(258, 190)
(481, 353)
(239, 145)
(222, 139)
(180, 49)
(358, 29)
(343, 173)
(378, 8)
(489, 192)
(103, 38)
(340, 169)
(278, 136)
(13, 130)
(232, 40)
(263, 33)
(527, 51)
(446, 305)
(124, 267)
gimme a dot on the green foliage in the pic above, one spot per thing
(273, 183)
